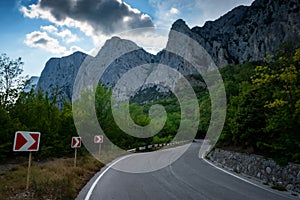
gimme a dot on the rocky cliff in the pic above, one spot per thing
(247, 33)
(60, 73)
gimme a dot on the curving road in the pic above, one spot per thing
(187, 178)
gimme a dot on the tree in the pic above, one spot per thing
(264, 107)
(279, 82)
(10, 79)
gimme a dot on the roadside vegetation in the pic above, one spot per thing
(50, 179)
(263, 113)
(263, 109)
(263, 117)
(52, 173)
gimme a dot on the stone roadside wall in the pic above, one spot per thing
(256, 166)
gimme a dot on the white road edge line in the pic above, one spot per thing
(88, 195)
(245, 180)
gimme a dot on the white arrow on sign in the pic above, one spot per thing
(26, 141)
(98, 139)
(76, 142)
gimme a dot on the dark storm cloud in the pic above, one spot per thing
(35, 34)
(41, 41)
(104, 15)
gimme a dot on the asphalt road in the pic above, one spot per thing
(187, 178)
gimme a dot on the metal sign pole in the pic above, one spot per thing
(28, 171)
(99, 149)
(75, 157)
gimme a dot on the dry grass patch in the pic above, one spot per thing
(56, 179)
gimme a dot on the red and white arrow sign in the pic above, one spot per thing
(27, 141)
(76, 142)
(98, 139)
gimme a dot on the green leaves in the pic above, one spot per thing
(10, 79)
(265, 112)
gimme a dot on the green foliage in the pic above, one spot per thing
(263, 110)
(7, 127)
(36, 112)
(20, 111)
(205, 116)
(140, 116)
(10, 79)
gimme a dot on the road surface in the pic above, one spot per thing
(188, 178)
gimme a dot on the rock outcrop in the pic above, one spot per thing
(60, 73)
(247, 33)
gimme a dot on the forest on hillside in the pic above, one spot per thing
(264, 106)
(263, 111)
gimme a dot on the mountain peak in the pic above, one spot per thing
(78, 52)
(180, 26)
(118, 43)
(248, 33)
(260, 3)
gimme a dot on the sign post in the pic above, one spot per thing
(75, 157)
(75, 143)
(98, 139)
(27, 141)
(28, 171)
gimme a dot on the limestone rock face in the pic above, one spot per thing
(60, 73)
(247, 33)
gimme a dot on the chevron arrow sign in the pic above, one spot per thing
(76, 142)
(27, 141)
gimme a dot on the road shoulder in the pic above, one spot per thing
(252, 180)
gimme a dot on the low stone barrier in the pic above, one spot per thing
(257, 166)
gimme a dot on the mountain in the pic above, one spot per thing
(136, 56)
(247, 33)
(61, 73)
(118, 63)
(32, 82)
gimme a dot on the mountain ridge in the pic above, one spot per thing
(249, 33)
(61, 73)
(246, 33)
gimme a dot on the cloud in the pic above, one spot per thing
(66, 34)
(41, 41)
(38, 39)
(50, 29)
(152, 40)
(174, 11)
(44, 41)
(167, 11)
(93, 17)
(213, 9)
(194, 12)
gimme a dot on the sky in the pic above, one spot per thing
(37, 30)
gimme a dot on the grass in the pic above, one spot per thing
(278, 187)
(54, 179)
(265, 183)
(236, 171)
